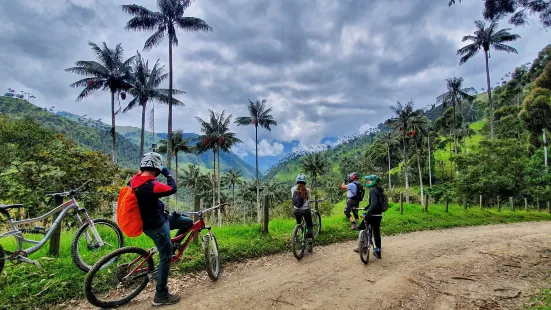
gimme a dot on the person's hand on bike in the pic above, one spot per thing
(165, 171)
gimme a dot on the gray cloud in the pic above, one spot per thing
(326, 67)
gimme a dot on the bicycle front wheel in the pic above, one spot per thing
(363, 246)
(86, 249)
(111, 285)
(316, 223)
(212, 259)
(298, 241)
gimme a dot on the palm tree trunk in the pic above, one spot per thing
(257, 180)
(454, 130)
(219, 214)
(143, 131)
(176, 195)
(113, 134)
(405, 165)
(389, 178)
(169, 140)
(214, 177)
(490, 104)
(430, 172)
(420, 174)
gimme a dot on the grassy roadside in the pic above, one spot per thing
(58, 279)
(541, 301)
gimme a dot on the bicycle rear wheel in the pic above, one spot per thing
(2, 259)
(111, 284)
(316, 221)
(212, 259)
(363, 246)
(298, 241)
(86, 251)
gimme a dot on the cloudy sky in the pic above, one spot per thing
(328, 68)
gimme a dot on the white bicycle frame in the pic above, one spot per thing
(64, 208)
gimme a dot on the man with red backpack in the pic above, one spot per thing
(157, 223)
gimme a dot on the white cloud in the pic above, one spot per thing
(265, 148)
(365, 127)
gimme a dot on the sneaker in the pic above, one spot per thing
(175, 248)
(169, 300)
(354, 226)
(377, 254)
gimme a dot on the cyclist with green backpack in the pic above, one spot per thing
(378, 204)
(355, 194)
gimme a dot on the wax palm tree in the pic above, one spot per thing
(179, 144)
(404, 119)
(191, 178)
(145, 89)
(420, 130)
(169, 17)
(259, 115)
(486, 38)
(232, 178)
(455, 95)
(216, 136)
(315, 164)
(110, 72)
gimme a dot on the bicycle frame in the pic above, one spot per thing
(64, 208)
(195, 230)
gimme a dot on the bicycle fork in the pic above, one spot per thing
(95, 235)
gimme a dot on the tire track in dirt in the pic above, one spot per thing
(483, 267)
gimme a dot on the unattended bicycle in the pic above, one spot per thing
(117, 284)
(365, 241)
(299, 242)
(94, 239)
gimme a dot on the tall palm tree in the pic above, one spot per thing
(110, 72)
(232, 178)
(169, 17)
(179, 144)
(216, 136)
(145, 88)
(420, 126)
(486, 38)
(315, 164)
(455, 95)
(259, 115)
(404, 119)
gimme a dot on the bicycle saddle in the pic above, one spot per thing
(7, 207)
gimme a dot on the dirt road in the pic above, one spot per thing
(485, 267)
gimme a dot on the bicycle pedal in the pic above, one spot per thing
(28, 261)
(152, 275)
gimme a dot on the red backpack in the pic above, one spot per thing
(129, 217)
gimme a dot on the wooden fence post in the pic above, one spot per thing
(538, 204)
(266, 214)
(525, 204)
(498, 205)
(480, 201)
(196, 207)
(55, 241)
(315, 203)
(511, 203)
(401, 203)
(426, 204)
(447, 205)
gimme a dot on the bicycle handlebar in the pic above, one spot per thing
(71, 192)
(206, 210)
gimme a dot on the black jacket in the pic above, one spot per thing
(375, 197)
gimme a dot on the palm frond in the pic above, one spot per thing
(504, 48)
(192, 24)
(243, 121)
(155, 39)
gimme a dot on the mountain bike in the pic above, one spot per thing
(134, 267)
(93, 239)
(298, 240)
(365, 241)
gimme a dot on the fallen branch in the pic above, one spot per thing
(463, 278)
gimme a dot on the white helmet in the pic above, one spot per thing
(152, 160)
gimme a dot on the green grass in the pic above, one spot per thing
(58, 279)
(541, 301)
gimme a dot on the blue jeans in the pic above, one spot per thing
(161, 238)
